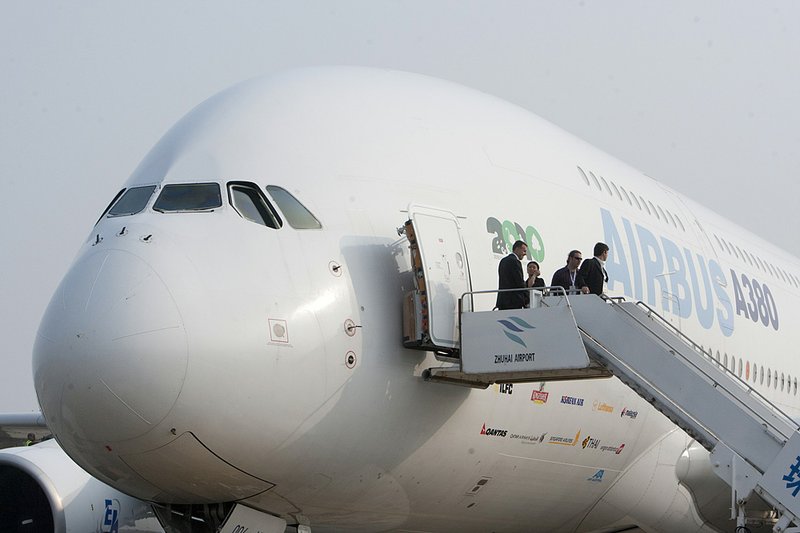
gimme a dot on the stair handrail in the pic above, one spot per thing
(748, 389)
(669, 325)
(555, 290)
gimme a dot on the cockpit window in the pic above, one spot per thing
(132, 201)
(108, 207)
(189, 197)
(252, 205)
(296, 213)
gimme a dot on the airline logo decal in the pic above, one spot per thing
(565, 441)
(590, 443)
(528, 439)
(111, 517)
(616, 449)
(515, 324)
(630, 413)
(572, 400)
(602, 407)
(647, 267)
(493, 432)
(597, 477)
(539, 397)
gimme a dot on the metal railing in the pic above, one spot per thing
(750, 391)
(549, 291)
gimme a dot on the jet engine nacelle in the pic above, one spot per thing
(712, 496)
(43, 490)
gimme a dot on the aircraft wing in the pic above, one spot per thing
(14, 428)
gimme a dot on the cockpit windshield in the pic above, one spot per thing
(297, 215)
(188, 197)
(132, 201)
(250, 203)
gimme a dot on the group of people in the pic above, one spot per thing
(574, 277)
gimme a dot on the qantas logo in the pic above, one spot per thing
(493, 432)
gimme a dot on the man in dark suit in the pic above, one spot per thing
(594, 271)
(569, 277)
(509, 273)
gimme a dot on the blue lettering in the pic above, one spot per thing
(653, 266)
(637, 277)
(111, 517)
(649, 267)
(682, 296)
(725, 314)
(617, 264)
(705, 313)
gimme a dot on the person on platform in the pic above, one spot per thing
(509, 274)
(594, 270)
(534, 276)
(534, 281)
(569, 277)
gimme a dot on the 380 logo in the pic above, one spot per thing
(506, 233)
(760, 304)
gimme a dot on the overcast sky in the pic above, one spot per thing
(702, 96)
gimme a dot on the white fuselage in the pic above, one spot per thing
(199, 357)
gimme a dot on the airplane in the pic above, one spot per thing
(230, 336)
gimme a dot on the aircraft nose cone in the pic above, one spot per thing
(110, 356)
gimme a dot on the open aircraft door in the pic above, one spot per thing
(441, 276)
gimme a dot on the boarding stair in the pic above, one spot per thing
(754, 446)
